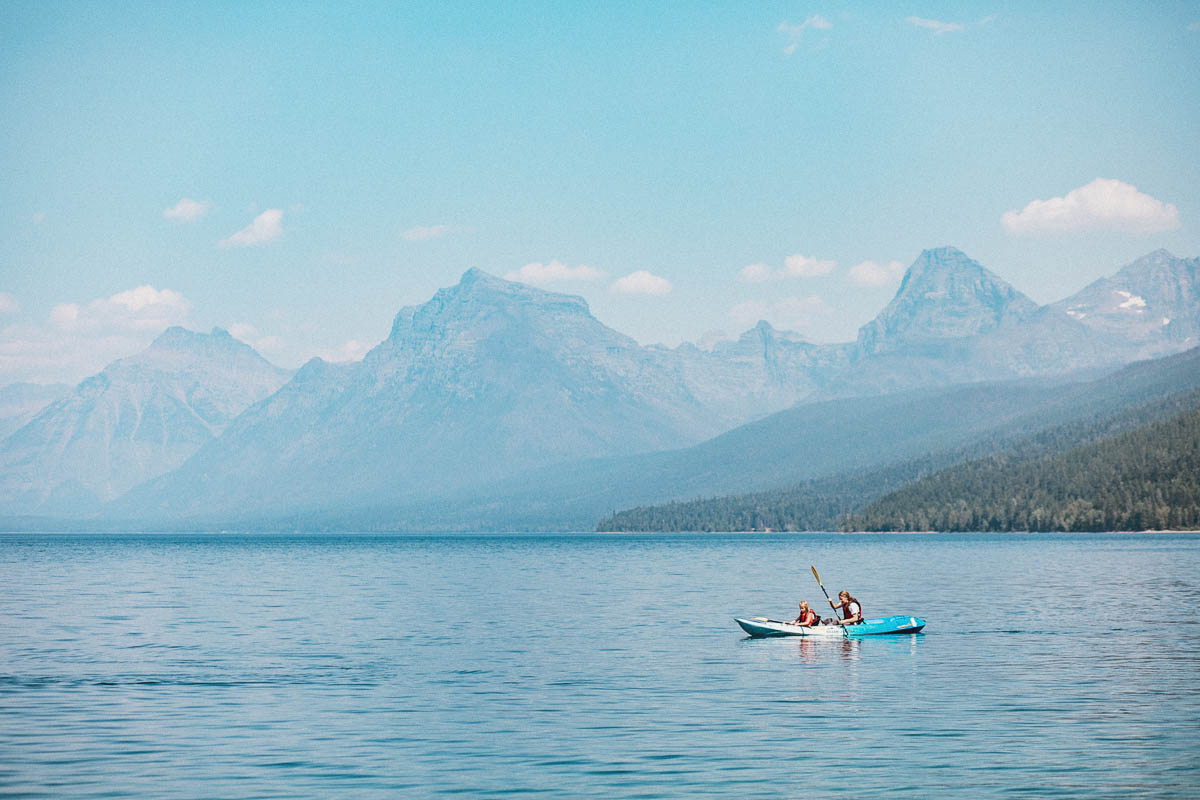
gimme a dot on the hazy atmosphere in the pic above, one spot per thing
(611, 400)
(296, 173)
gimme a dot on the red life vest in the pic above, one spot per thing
(846, 610)
(809, 618)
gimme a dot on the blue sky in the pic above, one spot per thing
(298, 172)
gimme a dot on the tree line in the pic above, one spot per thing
(1130, 470)
(1145, 479)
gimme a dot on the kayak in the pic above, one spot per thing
(760, 627)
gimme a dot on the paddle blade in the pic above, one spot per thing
(818, 577)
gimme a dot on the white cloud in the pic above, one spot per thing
(142, 309)
(755, 273)
(872, 273)
(795, 33)
(265, 345)
(1195, 26)
(538, 273)
(794, 266)
(423, 233)
(641, 282)
(243, 330)
(79, 339)
(64, 315)
(936, 26)
(788, 313)
(187, 210)
(351, 350)
(269, 344)
(805, 267)
(39, 217)
(8, 304)
(1101, 205)
(710, 339)
(266, 227)
(988, 20)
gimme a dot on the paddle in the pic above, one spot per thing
(827, 597)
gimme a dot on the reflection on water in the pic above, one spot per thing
(594, 666)
(809, 650)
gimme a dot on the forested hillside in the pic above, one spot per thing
(1144, 479)
(815, 505)
(824, 503)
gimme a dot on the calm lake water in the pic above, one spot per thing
(595, 666)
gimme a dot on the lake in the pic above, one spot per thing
(312, 666)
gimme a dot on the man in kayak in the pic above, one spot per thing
(851, 610)
(808, 618)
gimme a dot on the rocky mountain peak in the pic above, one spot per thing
(138, 417)
(1159, 265)
(178, 349)
(479, 297)
(1154, 302)
(945, 295)
(479, 286)
(179, 338)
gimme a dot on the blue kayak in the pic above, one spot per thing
(760, 627)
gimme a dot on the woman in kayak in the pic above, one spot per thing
(808, 618)
(851, 610)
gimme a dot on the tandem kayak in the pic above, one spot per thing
(759, 628)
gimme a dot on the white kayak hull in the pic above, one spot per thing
(760, 627)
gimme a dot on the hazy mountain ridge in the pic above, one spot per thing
(879, 441)
(21, 402)
(139, 417)
(492, 379)
(953, 321)
(1153, 302)
(487, 379)
(944, 296)
(1048, 419)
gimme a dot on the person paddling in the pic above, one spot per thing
(808, 618)
(851, 610)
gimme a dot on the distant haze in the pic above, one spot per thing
(295, 176)
(491, 379)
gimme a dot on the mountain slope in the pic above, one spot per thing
(1153, 304)
(494, 396)
(823, 503)
(953, 321)
(1147, 478)
(809, 442)
(21, 402)
(487, 379)
(945, 296)
(139, 417)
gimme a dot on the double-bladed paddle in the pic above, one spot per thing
(827, 597)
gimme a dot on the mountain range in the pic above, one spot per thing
(889, 443)
(494, 384)
(139, 417)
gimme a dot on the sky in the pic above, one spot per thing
(296, 173)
